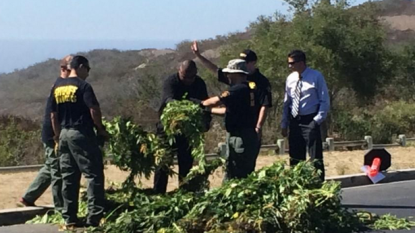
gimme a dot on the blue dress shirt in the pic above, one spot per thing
(314, 96)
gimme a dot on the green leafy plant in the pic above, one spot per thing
(186, 118)
(19, 142)
(133, 149)
(273, 199)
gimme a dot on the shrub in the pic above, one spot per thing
(20, 142)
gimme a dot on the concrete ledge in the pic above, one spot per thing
(21, 215)
(362, 179)
(20, 168)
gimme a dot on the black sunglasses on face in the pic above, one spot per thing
(87, 68)
(293, 62)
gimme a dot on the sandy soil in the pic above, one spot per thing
(13, 185)
(400, 22)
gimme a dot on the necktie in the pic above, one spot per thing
(296, 98)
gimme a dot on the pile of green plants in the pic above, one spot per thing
(273, 199)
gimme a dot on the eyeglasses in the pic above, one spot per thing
(293, 62)
(87, 67)
(65, 67)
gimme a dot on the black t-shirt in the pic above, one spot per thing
(72, 100)
(240, 107)
(47, 130)
(174, 89)
(260, 85)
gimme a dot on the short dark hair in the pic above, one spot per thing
(297, 55)
(77, 61)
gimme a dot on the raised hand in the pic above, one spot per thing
(195, 48)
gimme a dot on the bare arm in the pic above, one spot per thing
(91, 101)
(55, 125)
(262, 117)
(261, 120)
(219, 111)
(207, 63)
(211, 102)
(97, 117)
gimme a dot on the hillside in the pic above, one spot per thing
(122, 78)
(397, 7)
(399, 15)
(368, 66)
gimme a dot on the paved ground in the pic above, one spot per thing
(395, 198)
(30, 229)
(35, 228)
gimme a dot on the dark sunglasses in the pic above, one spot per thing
(293, 62)
(65, 67)
(87, 68)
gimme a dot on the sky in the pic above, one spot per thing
(33, 31)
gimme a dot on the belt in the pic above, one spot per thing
(242, 130)
(302, 117)
(80, 128)
(75, 127)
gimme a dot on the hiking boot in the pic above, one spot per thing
(71, 226)
(23, 203)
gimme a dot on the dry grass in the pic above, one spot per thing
(400, 22)
(337, 163)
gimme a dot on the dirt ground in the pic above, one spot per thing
(401, 22)
(13, 185)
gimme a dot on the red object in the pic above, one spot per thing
(374, 169)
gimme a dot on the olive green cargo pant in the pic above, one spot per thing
(242, 152)
(49, 174)
(80, 154)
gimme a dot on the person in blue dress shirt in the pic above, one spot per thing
(306, 104)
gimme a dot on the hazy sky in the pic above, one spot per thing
(37, 30)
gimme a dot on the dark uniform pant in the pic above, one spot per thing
(49, 174)
(305, 134)
(185, 162)
(80, 154)
(242, 152)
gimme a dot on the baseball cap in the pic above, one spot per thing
(236, 66)
(248, 55)
(66, 62)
